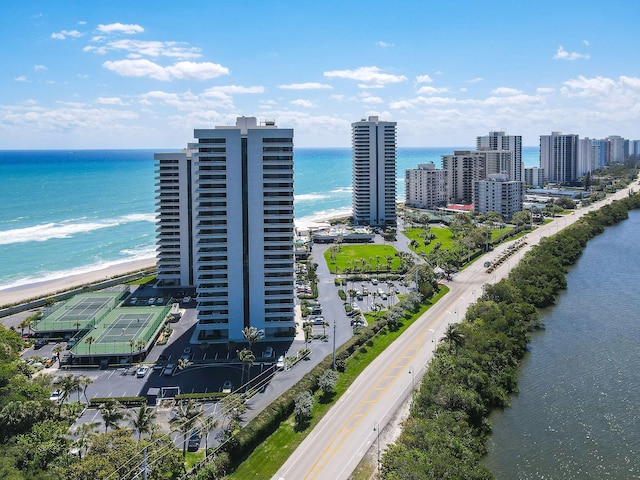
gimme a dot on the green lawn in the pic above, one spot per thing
(443, 235)
(362, 258)
(267, 458)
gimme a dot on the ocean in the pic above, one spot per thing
(68, 212)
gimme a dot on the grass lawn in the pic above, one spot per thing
(443, 235)
(375, 258)
(267, 458)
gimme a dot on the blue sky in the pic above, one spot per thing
(144, 74)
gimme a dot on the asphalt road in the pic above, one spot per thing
(335, 447)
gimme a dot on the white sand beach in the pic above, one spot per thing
(22, 293)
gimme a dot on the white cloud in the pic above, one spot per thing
(306, 86)
(303, 103)
(401, 105)
(110, 101)
(588, 87)
(39, 68)
(235, 89)
(585, 42)
(152, 49)
(506, 91)
(82, 22)
(475, 80)
(21, 78)
(128, 29)
(562, 54)
(424, 79)
(370, 99)
(63, 34)
(180, 70)
(428, 90)
(371, 76)
(385, 44)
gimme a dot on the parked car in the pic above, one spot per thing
(194, 441)
(133, 300)
(186, 299)
(169, 369)
(186, 354)
(317, 320)
(142, 372)
(227, 387)
(151, 301)
(280, 363)
(56, 396)
(159, 301)
(41, 342)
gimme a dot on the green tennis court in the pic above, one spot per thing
(82, 311)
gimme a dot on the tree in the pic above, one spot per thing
(112, 414)
(303, 403)
(85, 433)
(143, 421)
(206, 425)
(187, 413)
(247, 358)
(67, 385)
(252, 335)
(522, 217)
(328, 380)
(89, 341)
(83, 383)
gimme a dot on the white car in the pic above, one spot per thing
(142, 372)
(280, 363)
(56, 396)
(151, 301)
(227, 387)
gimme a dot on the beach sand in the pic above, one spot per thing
(22, 293)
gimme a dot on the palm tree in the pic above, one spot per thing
(247, 358)
(67, 385)
(84, 382)
(85, 432)
(89, 340)
(25, 323)
(57, 350)
(144, 420)
(187, 416)
(132, 343)
(112, 414)
(453, 336)
(252, 335)
(206, 425)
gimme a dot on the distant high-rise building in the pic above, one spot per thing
(559, 157)
(585, 160)
(374, 172)
(425, 186)
(509, 165)
(225, 228)
(463, 168)
(617, 149)
(534, 176)
(498, 194)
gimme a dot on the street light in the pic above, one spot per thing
(376, 428)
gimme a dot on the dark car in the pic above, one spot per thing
(194, 441)
(41, 342)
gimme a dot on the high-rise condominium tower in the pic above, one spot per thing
(510, 165)
(559, 157)
(226, 228)
(374, 172)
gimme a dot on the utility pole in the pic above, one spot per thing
(333, 362)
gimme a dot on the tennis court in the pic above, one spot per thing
(80, 312)
(124, 330)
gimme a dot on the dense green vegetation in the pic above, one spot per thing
(475, 366)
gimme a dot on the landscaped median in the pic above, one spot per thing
(267, 441)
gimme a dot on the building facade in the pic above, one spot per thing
(498, 194)
(374, 172)
(534, 176)
(510, 165)
(463, 169)
(425, 186)
(559, 157)
(238, 253)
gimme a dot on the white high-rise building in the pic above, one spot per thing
(512, 165)
(559, 157)
(425, 186)
(498, 194)
(463, 168)
(226, 228)
(617, 149)
(534, 176)
(374, 172)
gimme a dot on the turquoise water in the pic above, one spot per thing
(577, 415)
(69, 212)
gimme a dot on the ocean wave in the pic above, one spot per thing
(145, 253)
(48, 231)
(322, 216)
(306, 197)
(342, 190)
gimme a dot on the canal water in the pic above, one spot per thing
(577, 415)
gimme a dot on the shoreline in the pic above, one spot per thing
(30, 291)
